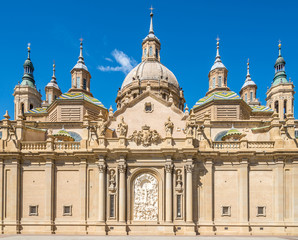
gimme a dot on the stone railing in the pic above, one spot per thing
(33, 146)
(268, 144)
(226, 145)
(67, 145)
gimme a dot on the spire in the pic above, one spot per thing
(279, 48)
(28, 79)
(29, 44)
(217, 63)
(54, 66)
(217, 58)
(247, 75)
(53, 82)
(81, 58)
(151, 21)
(280, 72)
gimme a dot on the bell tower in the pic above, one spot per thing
(280, 96)
(218, 74)
(151, 44)
(80, 75)
(25, 94)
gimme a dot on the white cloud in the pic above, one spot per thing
(126, 63)
(109, 59)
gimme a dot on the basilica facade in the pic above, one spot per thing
(228, 165)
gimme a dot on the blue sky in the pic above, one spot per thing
(113, 33)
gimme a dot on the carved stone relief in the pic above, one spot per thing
(146, 137)
(145, 198)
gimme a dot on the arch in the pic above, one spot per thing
(31, 106)
(285, 108)
(220, 135)
(77, 137)
(276, 106)
(131, 194)
(22, 108)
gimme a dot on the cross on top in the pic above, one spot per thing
(151, 9)
(279, 42)
(81, 39)
(217, 39)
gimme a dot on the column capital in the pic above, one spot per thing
(169, 167)
(189, 168)
(101, 167)
(122, 168)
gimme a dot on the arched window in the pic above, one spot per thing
(276, 106)
(78, 82)
(219, 81)
(150, 51)
(251, 96)
(85, 84)
(31, 106)
(156, 53)
(245, 98)
(50, 98)
(145, 52)
(213, 82)
(285, 108)
(22, 108)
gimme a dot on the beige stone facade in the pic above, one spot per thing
(153, 166)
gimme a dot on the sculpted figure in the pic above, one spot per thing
(189, 126)
(101, 127)
(122, 126)
(169, 126)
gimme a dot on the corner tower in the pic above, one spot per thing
(218, 74)
(52, 89)
(80, 75)
(280, 96)
(25, 94)
(248, 91)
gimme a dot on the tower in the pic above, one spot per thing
(52, 89)
(151, 44)
(218, 74)
(248, 91)
(25, 94)
(280, 96)
(80, 75)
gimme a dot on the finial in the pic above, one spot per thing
(54, 66)
(151, 21)
(29, 44)
(217, 48)
(248, 75)
(6, 115)
(81, 58)
(279, 48)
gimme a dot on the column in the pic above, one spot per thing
(122, 204)
(279, 190)
(169, 194)
(83, 189)
(208, 191)
(189, 208)
(243, 191)
(49, 172)
(101, 191)
(1, 191)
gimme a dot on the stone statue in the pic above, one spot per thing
(169, 126)
(189, 126)
(101, 127)
(122, 127)
(146, 137)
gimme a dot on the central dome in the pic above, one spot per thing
(150, 70)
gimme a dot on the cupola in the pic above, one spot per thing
(28, 78)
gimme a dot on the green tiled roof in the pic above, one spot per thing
(38, 110)
(82, 96)
(220, 95)
(261, 109)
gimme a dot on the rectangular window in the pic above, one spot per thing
(50, 98)
(33, 210)
(245, 97)
(78, 82)
(219, 81)
(213, 82)
(150, 51)
(112, 206)
(251, 96)
(226, 211)
(261, 211)
(179, 204)
(84, 84)
(67, 210)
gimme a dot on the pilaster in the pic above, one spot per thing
(169, 186)
(101, 189)
(279, 190)
(49, 210)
